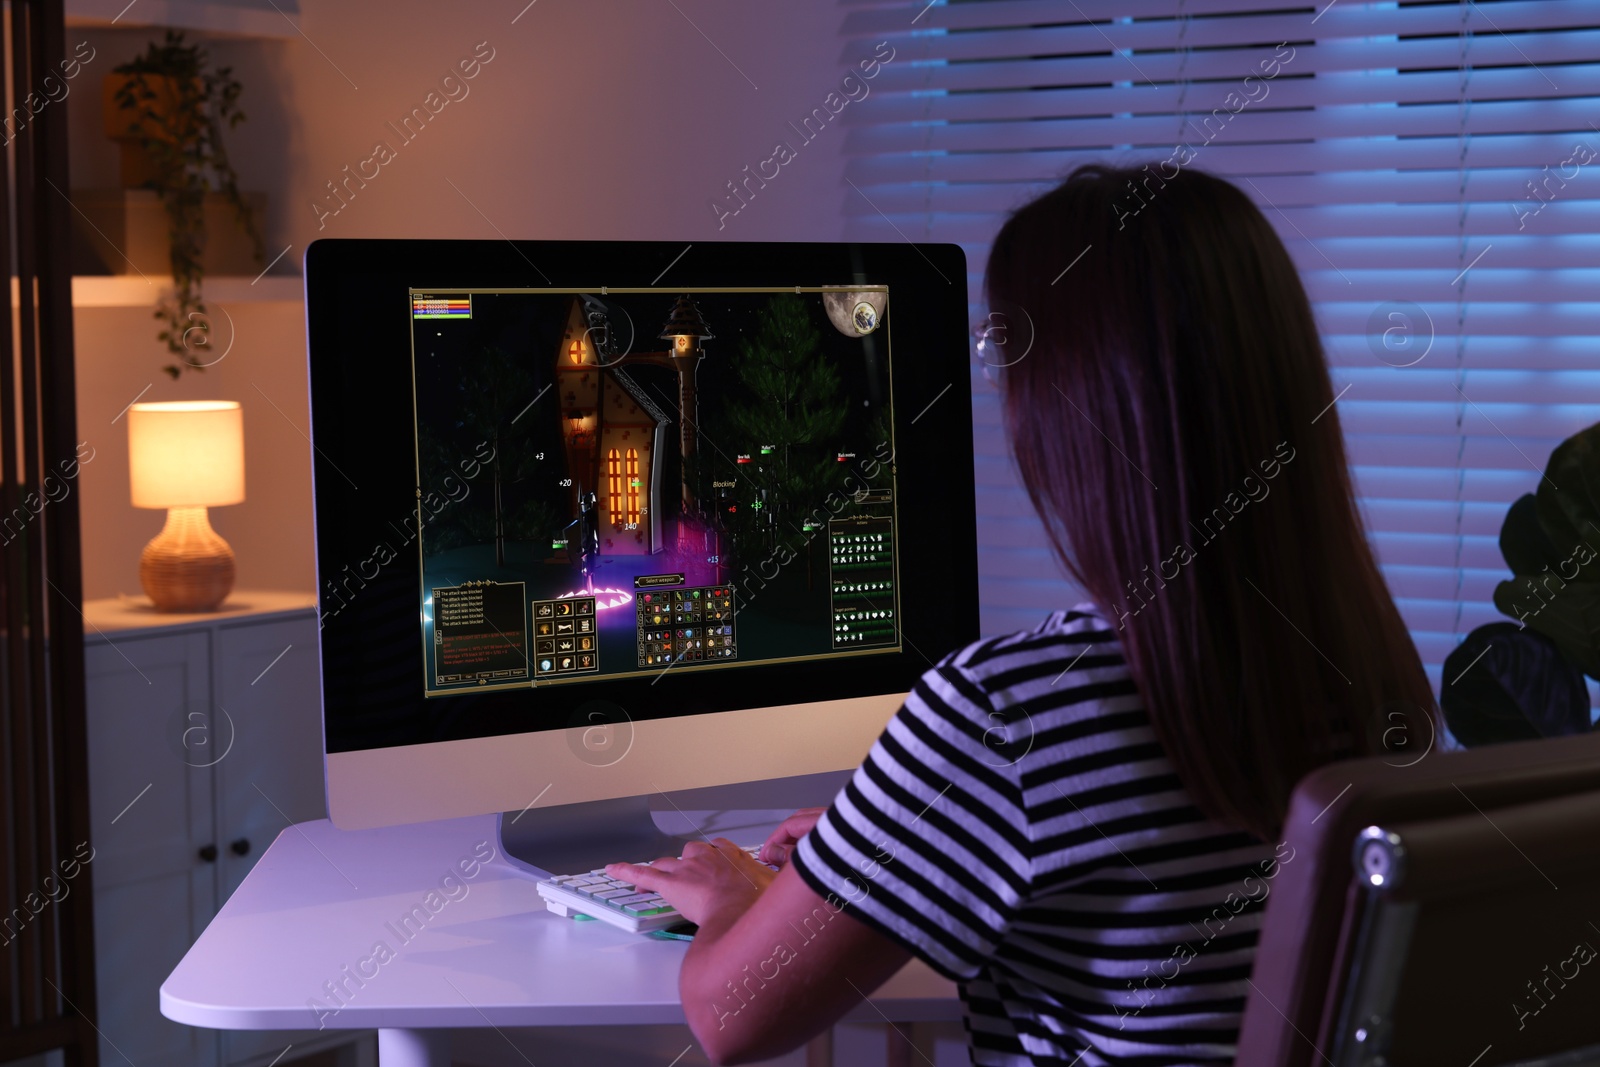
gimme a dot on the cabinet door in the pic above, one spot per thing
(150, 796)
(267, 678)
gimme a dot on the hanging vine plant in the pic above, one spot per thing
(176, 106)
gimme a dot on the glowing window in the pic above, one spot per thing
(614, 478)
(633, 486)
(575, 350)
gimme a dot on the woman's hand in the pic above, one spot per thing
(780, 845)
(711, 880)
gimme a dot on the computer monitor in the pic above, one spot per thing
(607, 520)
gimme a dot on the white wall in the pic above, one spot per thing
(610, 119)
(606, 119)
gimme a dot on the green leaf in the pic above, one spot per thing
(1569, 502)
(1524, 545)
(1567, 613)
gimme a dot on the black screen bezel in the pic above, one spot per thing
(363, 437)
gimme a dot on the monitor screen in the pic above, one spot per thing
(651, 480)
(664, 481)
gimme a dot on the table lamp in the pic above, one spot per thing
(186, 456)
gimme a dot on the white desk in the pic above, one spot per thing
(316, 905)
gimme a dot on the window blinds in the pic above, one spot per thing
(1433, 168)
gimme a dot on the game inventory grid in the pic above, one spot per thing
(564, 637)
(480, 631)
(686, 625)
(861, 557)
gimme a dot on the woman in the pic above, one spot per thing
(1077, 822)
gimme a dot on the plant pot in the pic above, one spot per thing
(168, 119)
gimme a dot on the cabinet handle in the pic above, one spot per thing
(241, 847)
(208, 853)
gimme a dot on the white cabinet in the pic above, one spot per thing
(205, 740)
(149, 812)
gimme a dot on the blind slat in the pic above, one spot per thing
(1326, 90)
(1373, 55)
(1503, 188)
(1238, 122)
(1323, 156)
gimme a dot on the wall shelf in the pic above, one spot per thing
(132, 290)
(239, 18)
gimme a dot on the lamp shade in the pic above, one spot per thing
(186, 453)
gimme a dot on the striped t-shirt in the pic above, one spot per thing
(1019, 827)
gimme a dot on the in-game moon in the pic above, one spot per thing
(855, 312)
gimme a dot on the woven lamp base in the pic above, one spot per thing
(187, 566)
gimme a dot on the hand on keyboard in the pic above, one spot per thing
(714, 878)
(780, 845)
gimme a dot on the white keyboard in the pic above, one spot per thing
(611, 900)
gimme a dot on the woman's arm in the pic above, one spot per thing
(774, 963)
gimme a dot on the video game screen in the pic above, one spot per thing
(631, 481)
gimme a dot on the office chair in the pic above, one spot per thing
(1437, 911)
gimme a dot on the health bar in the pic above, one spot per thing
(424, 307)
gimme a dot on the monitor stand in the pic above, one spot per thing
(571, 838)
(574, 838)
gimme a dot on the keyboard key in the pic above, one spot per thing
(636, 898)
(610, 894)
(647, 907)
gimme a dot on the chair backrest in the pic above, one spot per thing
(1443, 910)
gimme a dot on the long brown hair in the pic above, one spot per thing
(1175, 427)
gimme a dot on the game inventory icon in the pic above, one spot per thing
(690, 625)
(565, 641)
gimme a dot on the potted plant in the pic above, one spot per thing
(167, 108)
(1509, 681)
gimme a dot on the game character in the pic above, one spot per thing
(588, 523)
